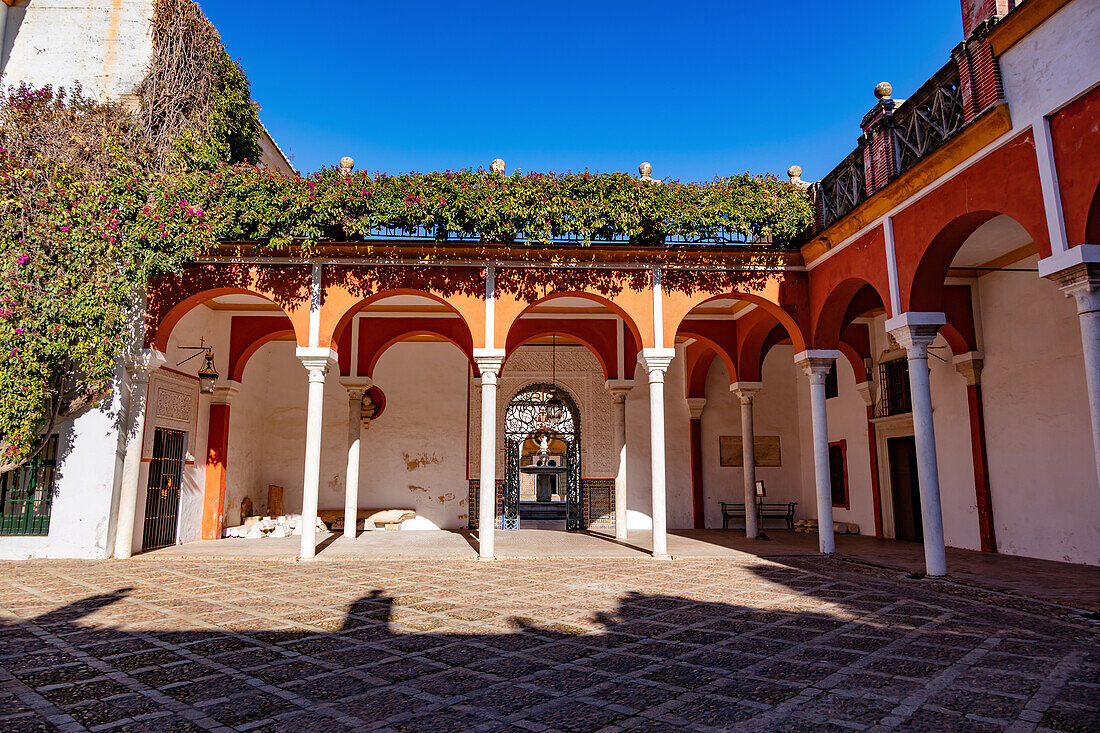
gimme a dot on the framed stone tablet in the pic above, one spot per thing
(766, 447)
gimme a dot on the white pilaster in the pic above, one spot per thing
(356, 387)
(489, 363)
(656, 363)
(619, 389)
(816, 364)
(746, 392)
(915, 332)
(1082, 283)
(145, 363)
(317, 362)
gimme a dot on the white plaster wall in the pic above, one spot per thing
(775, 412)
(639, 498)
(413, 456)
(954, 451)
(1054, 64)
(105, 46)
(80, 519)
(1038, 435)
(847, 418)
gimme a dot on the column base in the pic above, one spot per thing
(486, 559)
(661, 557)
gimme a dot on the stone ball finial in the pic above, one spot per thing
(883, 90)
(795, 174)
(346, 164)
(645, 169)
(497, 166)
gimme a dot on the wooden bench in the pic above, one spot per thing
(763, 511)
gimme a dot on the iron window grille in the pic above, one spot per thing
(894, 388)
(26, 494)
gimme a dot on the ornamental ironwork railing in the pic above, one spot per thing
(721, 235)
(843, 189)
(898, 134)
(927, 119)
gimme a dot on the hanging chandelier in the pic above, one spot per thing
(555, 405)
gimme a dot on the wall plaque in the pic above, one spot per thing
(766, 448)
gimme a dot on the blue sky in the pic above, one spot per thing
(699, 89)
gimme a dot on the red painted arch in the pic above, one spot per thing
(247, 334)
(697, 360)
(170, 298)
(719, 336)
(1075, 133)
(350, 313)
(628, 322)
(848, 300)
(778, 313)
(929, 232)
(598, 335)
(378, 334)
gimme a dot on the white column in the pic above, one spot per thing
(656, 362)
(816, 364)
(1082, 283)
(317, 362)
(746, 392)
(146, 362)
(489, 363)
(356, 388)
(619, 389)
(915, 332)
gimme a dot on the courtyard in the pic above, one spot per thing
(180, 643)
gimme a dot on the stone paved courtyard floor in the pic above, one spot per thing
(569, 645)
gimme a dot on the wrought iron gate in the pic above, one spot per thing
(162, 499)
(527, 416)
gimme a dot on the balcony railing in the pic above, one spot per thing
(897, 135)
(928, 119)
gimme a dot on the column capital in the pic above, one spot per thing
(695, 406)
(866, 391)
(656, 359)
(356, 386)
(224, 393)
(1081, 282)
(316, 360)
(915, 331)
(618, 388)
(816, 363)
(489, 361)
(970, 366)
(143, 363)
(746, 391)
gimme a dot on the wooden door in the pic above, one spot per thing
(905, 489)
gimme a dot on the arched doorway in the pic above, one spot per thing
(531, 416)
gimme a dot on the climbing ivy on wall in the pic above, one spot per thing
(277, 209)
(88, 215)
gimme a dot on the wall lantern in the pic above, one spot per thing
(208, 373)
(868, 365)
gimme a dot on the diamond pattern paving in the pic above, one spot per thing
(568, 645)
